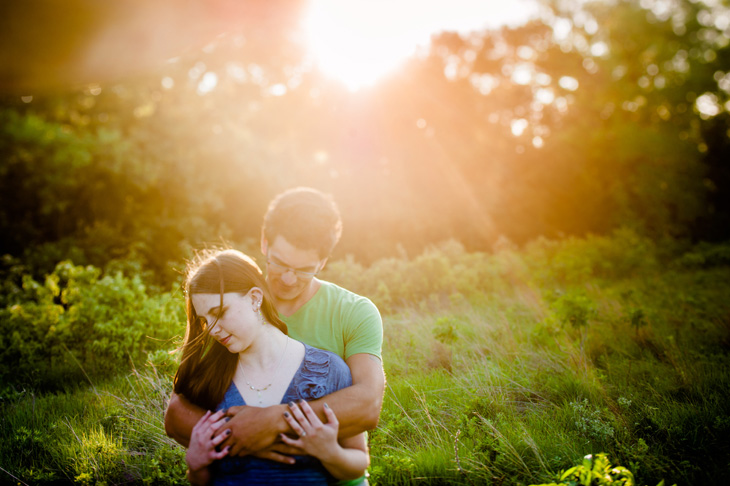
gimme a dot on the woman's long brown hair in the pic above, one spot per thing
(207, 367)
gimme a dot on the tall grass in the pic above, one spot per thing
(502, 369)
(106, 434)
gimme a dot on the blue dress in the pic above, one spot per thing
(320, 374)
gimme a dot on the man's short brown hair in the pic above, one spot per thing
(306, 218)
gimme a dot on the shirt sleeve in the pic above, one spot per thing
(364, 333)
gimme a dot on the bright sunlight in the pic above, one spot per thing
(360, 41)
(354, 42)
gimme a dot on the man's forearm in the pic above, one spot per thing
(356, 408)
(180, 418)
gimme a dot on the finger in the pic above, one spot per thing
(291, 442)
(211, 417)
(294, 424)
(229, 441)
(330, 415)
(204, 426)
(208, 422)
(231, 411)
(236, 447)
(217, 415)
(215, 426)
(282, 448)
(309, 413)
(303, 422)
(275, 456)
(220, 455)
(221, 437)
(202, 420)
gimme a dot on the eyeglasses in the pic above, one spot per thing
(278, 268)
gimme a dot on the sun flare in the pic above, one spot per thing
(360, 41)
(357, 42)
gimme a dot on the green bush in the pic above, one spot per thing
(595, 471)
(573, 260)
(78, 323)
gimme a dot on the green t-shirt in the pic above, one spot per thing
(338, 320)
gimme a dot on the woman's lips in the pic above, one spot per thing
(225, 341)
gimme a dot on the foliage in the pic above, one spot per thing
(78, 322)
(488, 382)
(590, 421)
(595, 471)
(520, 395)
(607, 134)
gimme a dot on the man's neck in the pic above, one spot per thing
(289, 307)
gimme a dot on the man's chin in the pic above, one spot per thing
(286, 293)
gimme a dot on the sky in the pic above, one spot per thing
(358, 41)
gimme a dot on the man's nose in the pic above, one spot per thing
(289, 277)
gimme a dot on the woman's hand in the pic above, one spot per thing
(201, 452)
(346, 459)
(315, 438)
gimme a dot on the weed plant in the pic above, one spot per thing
(505, 368)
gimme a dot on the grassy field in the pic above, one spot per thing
(503, 368)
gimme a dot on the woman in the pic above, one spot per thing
(237, 352)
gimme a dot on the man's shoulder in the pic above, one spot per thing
(336, 289)
(344, 296)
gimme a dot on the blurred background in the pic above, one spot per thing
(135, 131)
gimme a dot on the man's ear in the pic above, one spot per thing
(324, 263)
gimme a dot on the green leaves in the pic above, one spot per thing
(595, 471)
(81, 323)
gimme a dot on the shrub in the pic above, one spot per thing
(77, 322)
(595, 471)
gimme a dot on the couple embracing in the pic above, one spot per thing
(280, 375)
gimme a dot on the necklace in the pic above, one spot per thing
(262, 389)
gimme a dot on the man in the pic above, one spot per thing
(301, 227)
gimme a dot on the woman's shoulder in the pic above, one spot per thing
(322, 372)
(317, 355)
(321, 362)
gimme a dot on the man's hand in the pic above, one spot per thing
(254, 429)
